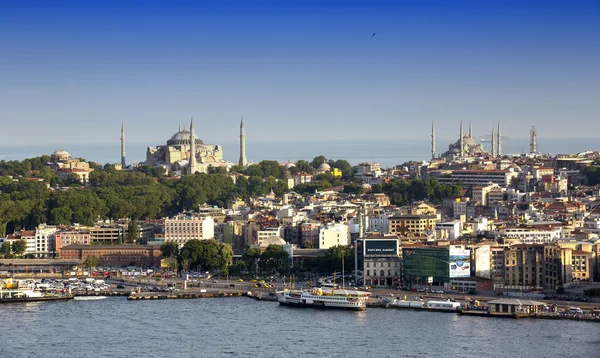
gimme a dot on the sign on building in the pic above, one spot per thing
(381, 247)
(460, 263)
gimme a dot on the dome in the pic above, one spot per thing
(183, 137)
(324, 167)
(61, 152)
(289, 165)
(60, 155)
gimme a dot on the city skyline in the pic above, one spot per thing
(296, 70)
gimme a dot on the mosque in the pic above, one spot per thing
(176, 155)
(466, 146)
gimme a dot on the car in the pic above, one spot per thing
(215, 281)
(240, 280)
(120, 285)
(439, 291)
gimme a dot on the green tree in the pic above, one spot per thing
(307, 244)
(270, 168)
(304, 166)
(5, 249)
(19, 247)
(132, 231)
(255, 170)
(169, 249)
(226, 257)
(345, 167)
(90, 262)
(250, 258)
(317, 161)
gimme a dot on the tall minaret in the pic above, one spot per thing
(432, 141)
(499, 141)
(493, 143)
(123, 145)
(533, 141)
(243, 161)
(192, 149)
(470, 129)
(462, 146)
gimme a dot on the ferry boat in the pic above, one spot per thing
(25, 291)
(317, 298)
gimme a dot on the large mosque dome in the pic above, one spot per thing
(182, 137)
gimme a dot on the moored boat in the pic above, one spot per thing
(23, 291)
(317, 298)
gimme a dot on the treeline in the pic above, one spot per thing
(404, 192)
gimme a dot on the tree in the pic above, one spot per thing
(345, 167)
(251, 257)
(304, 166)
(255, 170)
(19, 247)
(90, 262)
(308, 245)
(169, 249)
(132, 231)
(205, 254)
(317, 161)
(5, 249)
(226, 257)
(270, 168)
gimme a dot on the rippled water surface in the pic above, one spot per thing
(240, 327)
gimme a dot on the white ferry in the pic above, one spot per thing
(318, 298)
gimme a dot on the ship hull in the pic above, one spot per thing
(35, 299)
(321, 306)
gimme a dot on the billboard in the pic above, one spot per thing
(381, 247)
(460, 263)
(419, 264)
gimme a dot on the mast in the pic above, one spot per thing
(123, 145)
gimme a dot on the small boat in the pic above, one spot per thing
(89, 298)
(25, 291)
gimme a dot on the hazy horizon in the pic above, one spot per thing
(72, 71)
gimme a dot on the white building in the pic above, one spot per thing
(182, 228)
(45, 240)
(269, 232)
(380, 223)
(333, 235)
(529, 235)
(452, 229)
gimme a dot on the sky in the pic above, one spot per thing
(71, 72)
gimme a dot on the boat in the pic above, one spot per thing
(317, 298)
(89, 298)
(25, 291)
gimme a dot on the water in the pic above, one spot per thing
(241, 327)
(386, 152)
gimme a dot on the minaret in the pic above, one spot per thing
(493, 143)
(123, 145)
(470, 129)
(243, 161)
(533, 142)
(192, 149)
(499, 141)
(462, 147)
(432, 141)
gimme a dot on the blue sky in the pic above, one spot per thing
(70, 72)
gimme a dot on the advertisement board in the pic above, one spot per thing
(460, 263)
(381, 247)
(420, 263)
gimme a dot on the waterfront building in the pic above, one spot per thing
(582, 265)
(107, 233)
(182, 228)
(524, 266)
(45, 241)
(115, 255)
(379, 261)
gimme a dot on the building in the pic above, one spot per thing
(309, 232)
(45, 241)
(269, 232)
(302, 178)
(415, 224)
(449, 229)
(465, 147)
(380, 263)
(531, 235)
(474, 177)
(333, 235)
(471, 285)
(379, 222)
(182, 228)
(524, 266)
(115, 255)
(582, 265)
(70, 237)
(175, 155)
(65, 165)
(107, 234)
